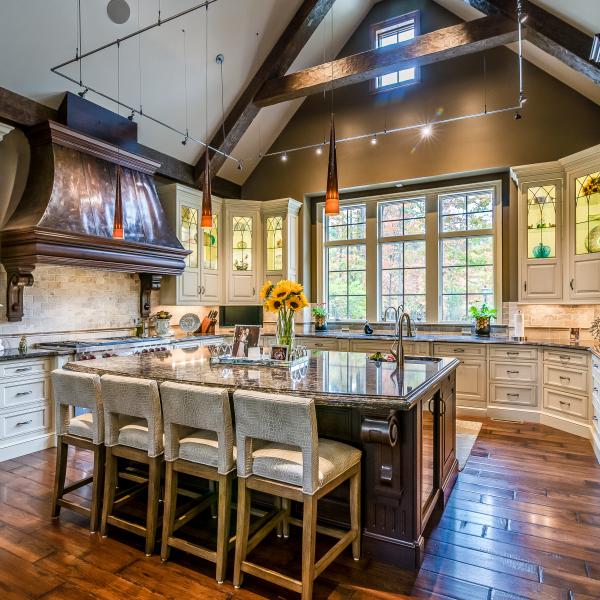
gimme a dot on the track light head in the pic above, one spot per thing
(240, 165)
(595, 54)
(374, 140)
(284, 157)
(82, 93)
(523, 19)
(319, 150)
(130, 117)
(426, 131)
(518, 116)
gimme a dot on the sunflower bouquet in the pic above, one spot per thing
(285, 298)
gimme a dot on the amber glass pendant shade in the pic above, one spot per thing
(206, 220)
(332, 195)
(118, 219)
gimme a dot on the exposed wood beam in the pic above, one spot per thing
(24, 112)
(439, 45)
(550, 33)
(284, 52)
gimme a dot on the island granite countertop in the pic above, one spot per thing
(344, 379)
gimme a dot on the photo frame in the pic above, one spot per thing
(244, 337)
(279, 353)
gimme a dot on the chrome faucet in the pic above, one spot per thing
(396, 313)
(398, 345)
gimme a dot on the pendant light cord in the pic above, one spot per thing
(79, 50)
(332, 57)
(140, 61)
(185, 83)
(206, 82)
(222, 100)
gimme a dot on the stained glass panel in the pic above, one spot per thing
(211, 246)
(241, 251)
(274, 243)
(587, 214)
(189, 234)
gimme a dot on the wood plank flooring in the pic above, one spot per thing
(523, 522)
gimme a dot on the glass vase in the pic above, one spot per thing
(286, 331)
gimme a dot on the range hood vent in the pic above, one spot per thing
(66, 214)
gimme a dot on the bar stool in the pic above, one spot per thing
(85, 431)
(294, 464)
(134, 431)
(199, 443)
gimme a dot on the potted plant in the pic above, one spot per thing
(162, 320)
(320, 315)
(482, 315)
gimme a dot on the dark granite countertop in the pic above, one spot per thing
(345, 379)
(14, 354)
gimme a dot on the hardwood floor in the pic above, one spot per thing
(523, 522)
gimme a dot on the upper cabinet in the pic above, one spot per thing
(583, 191)
(559, 229)
(540, 210)
(200, 282)
(280, 234)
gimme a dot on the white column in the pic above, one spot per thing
(4, 130)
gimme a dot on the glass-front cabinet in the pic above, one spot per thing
(200, 282)
(540, 220)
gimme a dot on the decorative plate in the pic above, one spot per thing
(189, 323)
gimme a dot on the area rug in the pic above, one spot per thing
(466, 435)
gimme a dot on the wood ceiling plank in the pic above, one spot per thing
(284, 52)
(436, 46)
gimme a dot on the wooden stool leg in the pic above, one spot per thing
(213, 506)
(278, 506)
(223, 525)
(170, 509)
(285, 503)
(309, 539)
(153, 498)
(97, 487)
(242, 530)
(355, 514)
(110, 488)
(62, 452)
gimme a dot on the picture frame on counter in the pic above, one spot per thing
(279, 353)
(245, 337)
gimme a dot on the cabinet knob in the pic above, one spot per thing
(21, 423)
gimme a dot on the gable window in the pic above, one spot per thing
(396, 31)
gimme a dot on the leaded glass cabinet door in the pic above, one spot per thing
(189, 235)
(584, 199)
(210, 285)
(541, 240)
(275, 247)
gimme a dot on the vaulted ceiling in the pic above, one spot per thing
(37, 34)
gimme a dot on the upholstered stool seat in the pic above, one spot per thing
(78, 390)
(199, 442)
(281, 462)
(279, 453)
(134, 431)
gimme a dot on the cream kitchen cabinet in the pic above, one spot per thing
(200, 283)
(243, 250)
(280, 239)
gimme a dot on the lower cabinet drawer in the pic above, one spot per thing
(566, 403)
(512, 371)
(24, 368)
(514, 396)
(14, 394)
(459, 349)
(32, 420)
(417, 348)
(567, 358)
(567, 379)
(372, 346)
(513, 352)
(320, 344)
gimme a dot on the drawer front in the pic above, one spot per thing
(568, 379)
(568, 404)
(513, 371)
(459, 349)
(417, 348)
(566, 358)
(15, 393)
(24, 368)
(33, 420)
(373, 346)
(513, 353)
(320, 343)
(512, 395)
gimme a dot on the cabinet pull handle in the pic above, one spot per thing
(509, 395)
(21, 423)
(572, 284)
(594, 418)
(596, 389)
(512, 353)
(459, 349)
(24, 393)
(563, 403)
(429, 405)
(442, 407)
(254, 291)
(23, 369)
(564, 357)
(513, 372)
(564, 378)
(524, 286)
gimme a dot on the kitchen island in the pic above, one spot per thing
(403, 420)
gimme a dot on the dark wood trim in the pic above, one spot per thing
(17, 279)
(437, 46)
(23, 112)
(284, 52)
(148, 282)
(548, 32)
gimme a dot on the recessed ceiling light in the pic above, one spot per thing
(118, 11)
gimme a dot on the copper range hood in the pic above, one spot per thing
(66, 215)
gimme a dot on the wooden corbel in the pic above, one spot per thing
(384, 433)
(148, 282)
(17, 279)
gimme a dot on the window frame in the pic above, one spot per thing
(433, 242)
(415, 15)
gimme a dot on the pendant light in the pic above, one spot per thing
(332, 195)
(206, 220)
(118, 232)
